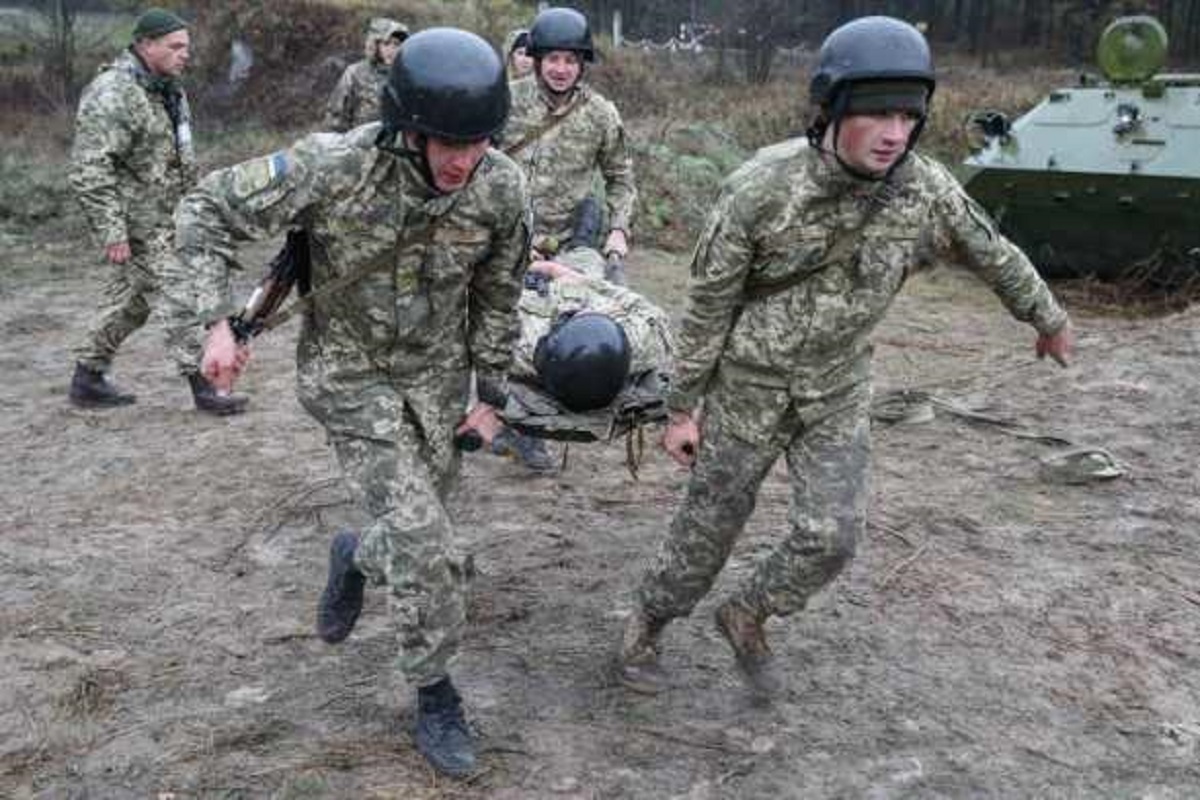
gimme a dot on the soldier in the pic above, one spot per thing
(558, 290)
(516, 44)
(806, 248)
(419, 236)
(131, 162)
(355, 99)
(567, 290)
(561, 131)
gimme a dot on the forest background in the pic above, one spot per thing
(701, 84)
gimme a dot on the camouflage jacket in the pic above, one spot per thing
(441, 302)
(130, 164)
(647, 326)
(561, 164)
(780, 214)
(355, 99)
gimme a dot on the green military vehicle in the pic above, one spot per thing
(1104, 177)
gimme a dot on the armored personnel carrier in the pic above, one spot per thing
(1101, 177)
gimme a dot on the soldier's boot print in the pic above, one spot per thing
(342, 600)
(212, 401)
(638, 668)
(526, 449)
(743, 629)
(91, 388)
(441, 734)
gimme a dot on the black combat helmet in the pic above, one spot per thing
(583, 361)
(883, 49)
(560, 29)
(446, 83)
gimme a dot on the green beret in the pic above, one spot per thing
(156, 22)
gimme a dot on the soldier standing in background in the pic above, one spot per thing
(131, 162)
(803, 254)
(355, 99)
(561, 132)
(516, 45)
(419, 240)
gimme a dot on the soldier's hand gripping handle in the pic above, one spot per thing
(480, 426)
(682, 438)
(224, 357)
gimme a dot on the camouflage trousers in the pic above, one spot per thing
(133, 292)
(828, 460)
(408, 547)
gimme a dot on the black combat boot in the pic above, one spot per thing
(211, 401)
(91, 388)
(442, 735)
(342, 600)
(524, 448)
(637, 667)
(743, 629)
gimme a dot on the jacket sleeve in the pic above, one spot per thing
(715, 294)
(963, 231)
(339, 109)
(247, 201)
(495, 291)
(616, 166)
(105, 129)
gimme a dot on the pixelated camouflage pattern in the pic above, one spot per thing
(646, 325)
(355, 98)
(561, 165)
(129, 166)
(827, 448)
(384, 365)
(781, 212)
(135, 291)
(789, 372)
(127, 169)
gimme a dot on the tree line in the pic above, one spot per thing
(1065, 30)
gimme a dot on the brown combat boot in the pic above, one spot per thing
(743, 629)
(637, 667)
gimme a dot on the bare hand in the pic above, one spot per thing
(481, 419)
(682, 438)
(554, 270)
(1059, 346)
(118, 252)
(223, 359)
(616, 243)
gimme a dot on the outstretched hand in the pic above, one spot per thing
(223, 359)
(1059, 346)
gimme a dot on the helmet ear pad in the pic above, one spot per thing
(583, 361)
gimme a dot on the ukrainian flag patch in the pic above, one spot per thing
(259, 174)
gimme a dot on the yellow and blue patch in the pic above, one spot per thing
(259, 174)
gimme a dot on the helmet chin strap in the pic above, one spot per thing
(386, 140)
(816, 135)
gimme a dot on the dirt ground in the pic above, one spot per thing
(999, 636)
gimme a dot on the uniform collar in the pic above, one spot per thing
(578, 95)
(131, 62)
(830, 180)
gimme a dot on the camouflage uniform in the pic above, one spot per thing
(384, 364)
(130, 164)
(355, 99)
(562, 162)
(789, 374)
(646, 325)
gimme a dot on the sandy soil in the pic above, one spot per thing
(999, 637)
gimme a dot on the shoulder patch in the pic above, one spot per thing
(259, 174)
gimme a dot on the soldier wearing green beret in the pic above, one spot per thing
(131, 162)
